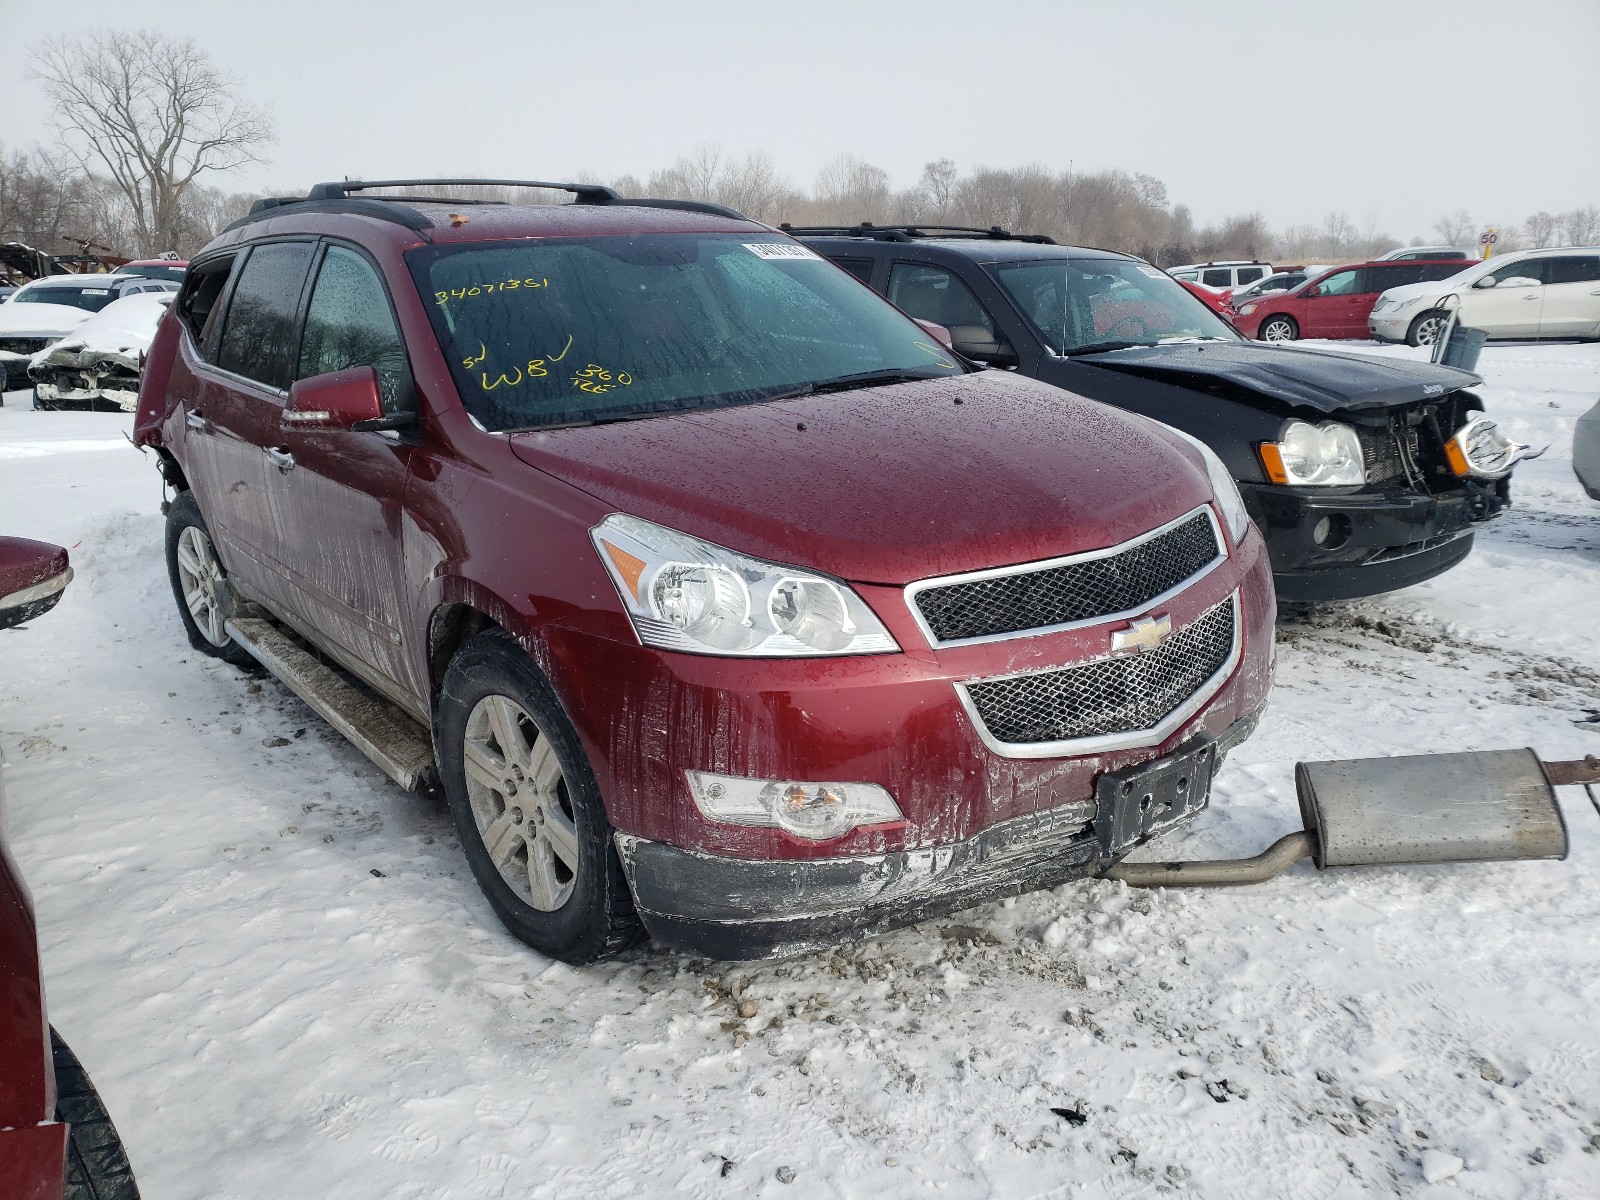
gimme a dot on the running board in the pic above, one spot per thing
(392, 740)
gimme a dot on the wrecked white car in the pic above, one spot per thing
(98, 364)
(26, 329)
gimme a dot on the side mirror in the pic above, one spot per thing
(33, 576)
(1488, 281)
(976, 342)
(936, 331)
(347, 399)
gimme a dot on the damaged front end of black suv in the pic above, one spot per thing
(1365, 475)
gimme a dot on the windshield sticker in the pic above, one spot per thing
(779, 250)
(1150, 272)
(489, 289)
(96, 291)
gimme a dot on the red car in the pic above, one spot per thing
(55, 1137)
(1335, 303)
(1216, 301)
(721, 596)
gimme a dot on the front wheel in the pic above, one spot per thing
(199, 584)
(1425, 330)
(1279, 329)
(527, 807)
(97, 1165)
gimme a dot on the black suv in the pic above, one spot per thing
(1365, 474)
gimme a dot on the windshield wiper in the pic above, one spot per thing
(1103, 347)
(849, 383)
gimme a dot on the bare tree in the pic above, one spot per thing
(154, 113)
(938, 186)
(1456, 230)
(1581, 226)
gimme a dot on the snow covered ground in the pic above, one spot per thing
(282, 978)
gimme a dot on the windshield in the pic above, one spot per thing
(155, 271)
(87, 297)
(565, 331)
(1081, 305)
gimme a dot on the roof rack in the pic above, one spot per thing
(337, 198)
(906, 233)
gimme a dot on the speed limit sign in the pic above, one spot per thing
(1489, 238)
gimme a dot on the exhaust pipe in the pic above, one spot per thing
(1488, 806)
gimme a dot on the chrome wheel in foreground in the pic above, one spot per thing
(519, 802)
(200, 575)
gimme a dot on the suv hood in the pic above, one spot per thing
(1327, 381)
(890, 484)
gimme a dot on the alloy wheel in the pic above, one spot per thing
(1428, 330)
(1277, 330)
(200, 575)
(519, 802)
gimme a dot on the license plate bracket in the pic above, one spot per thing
(1138, 802)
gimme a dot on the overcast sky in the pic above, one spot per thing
(1400, 108)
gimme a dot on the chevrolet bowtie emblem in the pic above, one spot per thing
(1144, 634)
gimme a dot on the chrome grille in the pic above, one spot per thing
(1110, 696)
(1084, 588)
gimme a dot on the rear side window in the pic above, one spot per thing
(349, 324)
(1577, 269)
(1220, 277)
(1441, 270)
(1381, 279)
(198, 306)
(861, 268)
(258, 339)
(1251, 274)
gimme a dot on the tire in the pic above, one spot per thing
(552, 875)
(202, 609)
(1425, 328)
(97, 1165)
(1278, 329)
(41, 405)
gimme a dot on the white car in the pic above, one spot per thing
(99, 364)
(1550, 293)
(1219, 276)
(41, 313)
(1407, 253)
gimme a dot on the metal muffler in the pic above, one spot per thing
(1487, 806)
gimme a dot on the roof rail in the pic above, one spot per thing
(336, 198)
(906, 233)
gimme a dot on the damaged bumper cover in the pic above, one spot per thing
(86, 376)
(737, 908)
(1338, 547)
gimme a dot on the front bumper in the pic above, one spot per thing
(1379, 541)
(738, 908)
(1391, 327)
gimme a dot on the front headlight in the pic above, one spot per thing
(1247, 310)
(1223, 489)
(1478, 449)
(682, 593)
(1323, 455)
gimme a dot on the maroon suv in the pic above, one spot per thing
(732, 600)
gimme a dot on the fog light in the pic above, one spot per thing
(815, 811)
(1332, 531)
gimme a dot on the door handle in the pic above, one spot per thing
(194, 420)
(281, 459)
(1530, 297)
